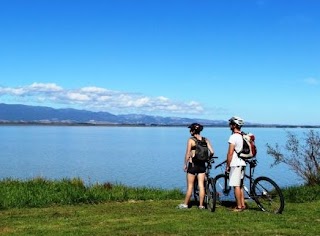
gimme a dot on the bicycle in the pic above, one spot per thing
(210, 190)
(262, 190)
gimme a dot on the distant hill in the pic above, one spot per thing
(39, 114)
(24, 114)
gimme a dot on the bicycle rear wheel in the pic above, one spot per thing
(224, 193)
(268, 195)
(211, 195)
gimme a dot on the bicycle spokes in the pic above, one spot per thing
(268, 195)
(224, 193)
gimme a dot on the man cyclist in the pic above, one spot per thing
(235, 165)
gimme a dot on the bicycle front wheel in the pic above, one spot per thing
(211, 195)
(268, 195)
(224, 193)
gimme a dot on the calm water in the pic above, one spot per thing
(135, 156)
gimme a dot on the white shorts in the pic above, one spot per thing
(236, 176)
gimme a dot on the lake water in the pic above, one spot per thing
(134, 156)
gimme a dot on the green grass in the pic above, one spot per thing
(40, 192)
(157, 218)
(67, 207)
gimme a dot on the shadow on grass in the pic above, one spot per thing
(226, 204)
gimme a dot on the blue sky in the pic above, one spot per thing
(209, 59)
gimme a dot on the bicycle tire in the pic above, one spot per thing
(224, 196)
(211, 195)
(268, 195)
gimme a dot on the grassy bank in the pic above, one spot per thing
(67, 207)
(40, 192)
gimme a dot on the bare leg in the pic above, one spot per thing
(201, 178)
(243, 204)
(238, 192)
(190, 183)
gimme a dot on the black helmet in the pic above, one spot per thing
(195, 127)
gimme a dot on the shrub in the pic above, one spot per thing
(301, 194)
(303, 157)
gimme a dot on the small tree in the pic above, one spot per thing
(302, 158)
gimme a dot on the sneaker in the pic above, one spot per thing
(201, 207)
(237, 209)
(182, 206)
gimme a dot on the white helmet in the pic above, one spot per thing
(236, 120)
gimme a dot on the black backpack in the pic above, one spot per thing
(202, 152)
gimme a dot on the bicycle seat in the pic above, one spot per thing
(252, 162)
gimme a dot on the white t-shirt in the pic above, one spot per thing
(237, 140)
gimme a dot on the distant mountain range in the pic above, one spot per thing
(16, 113)
(24, 114)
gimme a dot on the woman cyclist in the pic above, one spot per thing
(194, 167)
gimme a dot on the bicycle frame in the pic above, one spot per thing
(263, 190)
(248, 176)
(252, 165)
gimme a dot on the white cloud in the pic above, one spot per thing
(161, 98)
(99, 99)
(311, 81)
(140, 102)
(12, 91)
(93, 90)
(104, 98)
(78, 97)
(40, 87)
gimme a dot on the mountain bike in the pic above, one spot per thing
(262, 190)
(210, 190)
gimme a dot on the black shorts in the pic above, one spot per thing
(196, 168)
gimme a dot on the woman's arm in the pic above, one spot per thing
(188, 154)
(210, 147)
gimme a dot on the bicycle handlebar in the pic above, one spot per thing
(211, 159)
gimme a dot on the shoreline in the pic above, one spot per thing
(35, 123)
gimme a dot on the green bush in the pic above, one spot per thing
(301, 194)
(40, 192)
